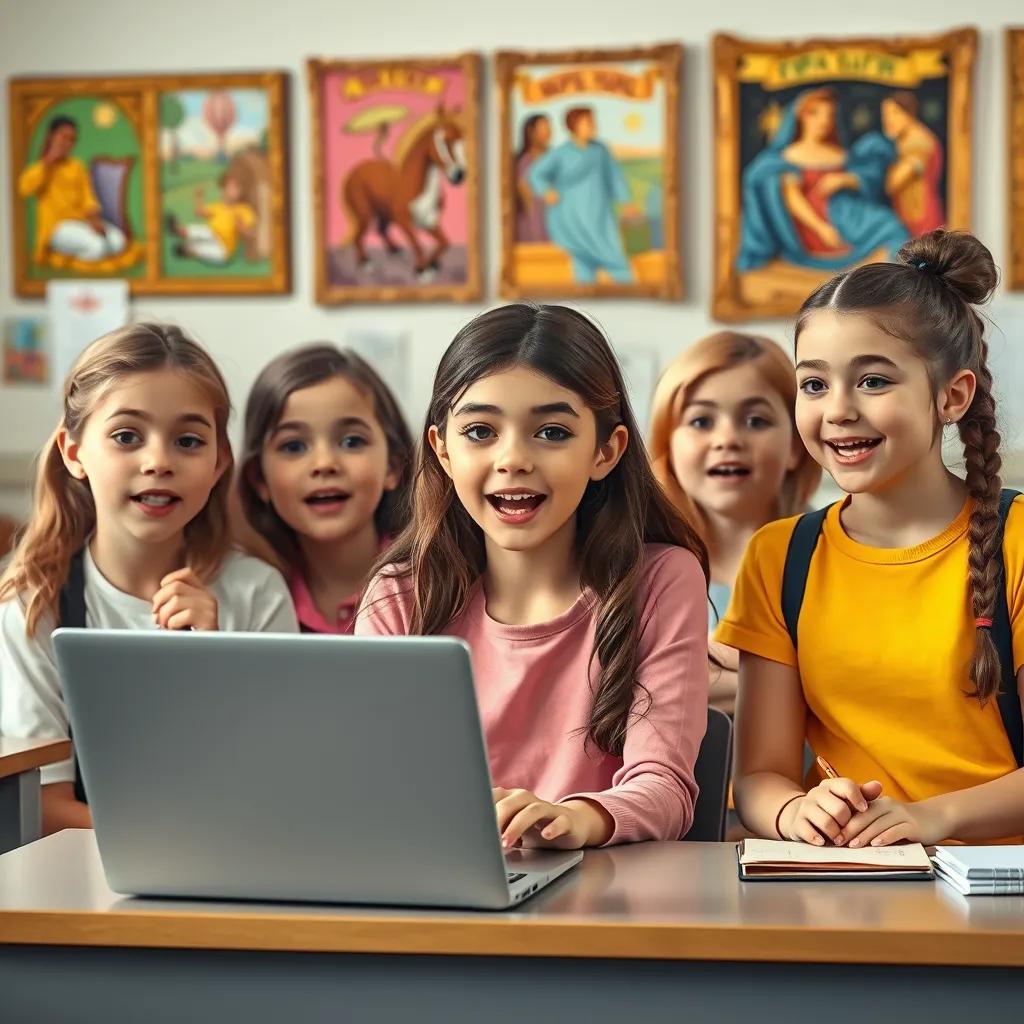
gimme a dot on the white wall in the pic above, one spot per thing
(120, 36)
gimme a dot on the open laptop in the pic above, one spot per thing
(287, 767)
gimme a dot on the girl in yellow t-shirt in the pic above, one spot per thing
(895, 676)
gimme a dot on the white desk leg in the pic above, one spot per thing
(20, 811)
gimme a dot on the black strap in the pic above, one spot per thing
(798, 565)
(72, 614)
(794, 583)
(1002, 637)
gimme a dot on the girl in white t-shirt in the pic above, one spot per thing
(129, 530)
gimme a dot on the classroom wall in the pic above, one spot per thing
(121, 36)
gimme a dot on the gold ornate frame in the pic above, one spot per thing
(783, 298)
(670, 57)
(29, 99)
(335, 294)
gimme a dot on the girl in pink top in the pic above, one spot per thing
(540, 536)
(324, 479)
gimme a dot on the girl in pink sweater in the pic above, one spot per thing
(540, 536)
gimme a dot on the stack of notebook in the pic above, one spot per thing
(771, 860)
(981, 870)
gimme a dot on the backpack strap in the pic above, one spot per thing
(1002, 637)
(798, 564)
(71, 605)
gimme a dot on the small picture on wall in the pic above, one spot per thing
(25, 359)
(833, 153)
(396, 179)
(589, 172)
(177, 184)
(1015, 73)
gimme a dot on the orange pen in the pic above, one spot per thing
(829, 771)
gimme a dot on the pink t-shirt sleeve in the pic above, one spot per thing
(653, 794)
(386, 606)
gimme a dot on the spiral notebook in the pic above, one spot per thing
(771, 860)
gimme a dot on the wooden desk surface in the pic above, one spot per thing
(18, 756)
(674, 901)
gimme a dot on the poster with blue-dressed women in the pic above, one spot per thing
(589, 170)
(833, 153)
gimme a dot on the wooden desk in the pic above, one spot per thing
(646, 933)
(20, 761)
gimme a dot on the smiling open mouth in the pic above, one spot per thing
(155, 500)
(729, 471)
(514, 504)
(329, 497)
(855, 446)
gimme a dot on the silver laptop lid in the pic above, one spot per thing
(284, 767)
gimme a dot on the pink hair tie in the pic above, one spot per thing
(983, 623)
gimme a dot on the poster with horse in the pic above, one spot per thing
(590, 173)
(831, 153)
(396, 179)
(176, 183)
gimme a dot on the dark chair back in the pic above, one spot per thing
(712, 771)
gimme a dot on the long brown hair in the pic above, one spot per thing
(442, 549)
(723, 351)
(302, 368)
(926, 299)
(64, 514)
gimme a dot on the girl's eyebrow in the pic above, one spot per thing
(550, 409)
(753, 400)
(858, 362)
(344, 421)
(187, 417)
(289, 425)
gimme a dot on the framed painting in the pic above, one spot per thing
(590, 173)
(830, 153)
(177, 183)
(1015, 144)
(396, 179)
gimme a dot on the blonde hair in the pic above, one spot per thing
(723, 351)
(64, 514)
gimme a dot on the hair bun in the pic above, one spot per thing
(957, 259)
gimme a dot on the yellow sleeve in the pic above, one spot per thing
(1013, 561)
(753, 621)
(246, 215)
(32, 179)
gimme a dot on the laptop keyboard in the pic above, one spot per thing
(514, 876)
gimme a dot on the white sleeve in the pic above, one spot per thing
(254, 598)
(31, 702)
(272, 607)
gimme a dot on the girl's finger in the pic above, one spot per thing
(823, 821)
(181, 620)
(185, 575)
(874, 828)
(895, 834)
(560, 826)
(805, 832)
(525, 819)
(848, 790)
(176, 589)
(510, 805)
(839, 809)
